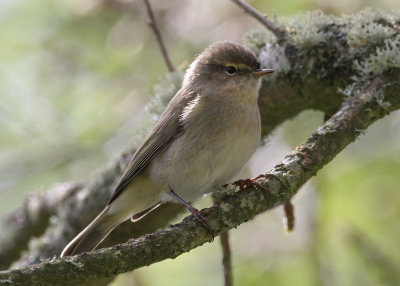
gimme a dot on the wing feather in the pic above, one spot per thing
(164, 132)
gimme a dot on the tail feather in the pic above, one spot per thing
(89, 238)
(130, 203)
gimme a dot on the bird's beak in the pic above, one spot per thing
(261, 72)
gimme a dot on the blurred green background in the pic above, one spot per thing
(74, 78)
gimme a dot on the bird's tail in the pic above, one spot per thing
(89, 238)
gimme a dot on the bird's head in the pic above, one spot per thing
(225, 67)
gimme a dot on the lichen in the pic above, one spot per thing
(307, 29)
(360, 36)
(376, 95)
(273, 56)
(256, 39)
(385, 58)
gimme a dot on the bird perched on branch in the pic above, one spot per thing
(206, 134)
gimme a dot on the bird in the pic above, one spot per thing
(207, 132)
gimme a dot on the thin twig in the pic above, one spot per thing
(226, 258)
(279, 33)
(289, 216)
(153, 24)
(226, 249)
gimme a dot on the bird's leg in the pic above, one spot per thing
(194, 211)
(250, 182)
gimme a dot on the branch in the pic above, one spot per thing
(153, 24)
(224, 239)
(279, 33)
(283, 181)
(31, 220)
(76, 210)
(288, 209)
(226, 258)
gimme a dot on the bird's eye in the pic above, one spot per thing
(258, 66)
(230, 70)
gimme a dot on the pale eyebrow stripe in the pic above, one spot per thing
(241, 67)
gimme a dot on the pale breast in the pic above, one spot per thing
(214, 146)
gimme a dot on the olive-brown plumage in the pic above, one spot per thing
(206, 134)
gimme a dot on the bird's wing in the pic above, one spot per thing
(164, 132)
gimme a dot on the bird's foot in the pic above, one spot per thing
(250, 182)
(195, 212)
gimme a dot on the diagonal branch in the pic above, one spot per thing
(278, 32)
(153, 24)
(283, 181)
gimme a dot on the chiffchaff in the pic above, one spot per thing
(203, 138)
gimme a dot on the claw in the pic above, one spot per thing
(250, 182)
(203, 221)
(195, 212)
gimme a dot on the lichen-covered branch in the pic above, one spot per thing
(323, 60)
(282, 182)
(31, 219)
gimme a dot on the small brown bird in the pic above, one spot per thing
(206, 134)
